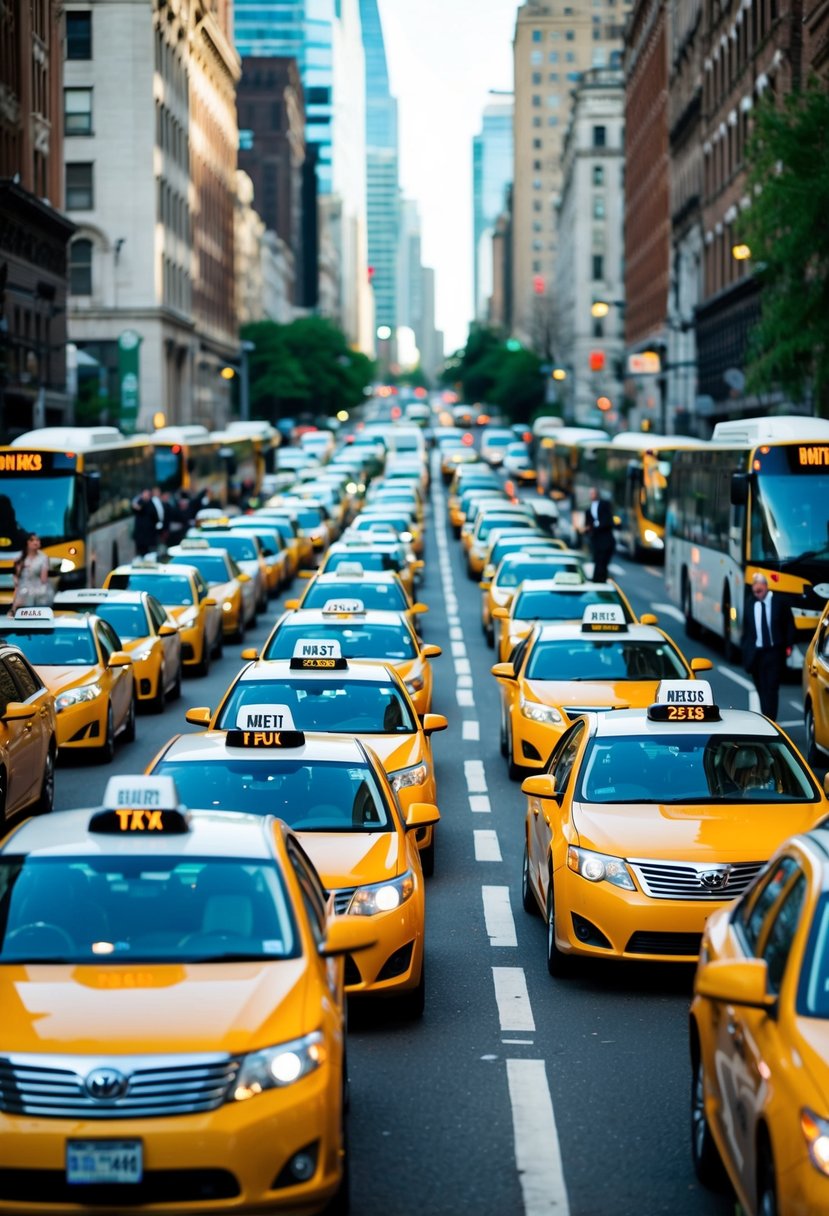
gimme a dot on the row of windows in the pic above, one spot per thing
(726, 154)
(80, 191)
(733, 54)
(173, 211)
(80, 267)
(721, 267)
(171, 136)
(79, 35)
(175, 285)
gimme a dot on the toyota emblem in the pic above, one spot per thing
(106, 1084)
(714, 880)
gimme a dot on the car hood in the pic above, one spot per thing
(578, 695)
(725, 832)
(153, 1008)
(349, 859)
(58, 679)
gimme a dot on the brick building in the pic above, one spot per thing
(816, 42)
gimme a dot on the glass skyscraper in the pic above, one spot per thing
(382, 169)
(492, 166)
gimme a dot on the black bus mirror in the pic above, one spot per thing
(93, 492)
(739, 489)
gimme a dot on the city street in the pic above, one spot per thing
(515, 1087)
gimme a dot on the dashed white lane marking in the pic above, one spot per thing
(465, 698)
(537, 1150)
(500, 928)
(479, 804)
(616, 570)
(513, 1001)
(650, 570)
(473, 771)
(463, 681)
(459, 650)
(671, 611)
(453, 619)
(471, 729)
(462, 667)
(487, 847)
(520, 1042)
(455, 633)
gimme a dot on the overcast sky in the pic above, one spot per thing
(444, 55)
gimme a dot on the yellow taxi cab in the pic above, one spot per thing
(560, 671)
(28, 738)
(374, 589)
(332, 791)
(759, 1038)
(312, 520)
(375, 553)
(274, 551)
(388, 517)
(524, 562)
(298, 547)
(408, 498)
(477, 479)
(147, 633)
(183, 592)
(229, 586)
(562, 598)
(452, 458)
(816, 693)
(246, 552)
(329, 694)
(81, 662)
(487, 524)
(647, 820)
(476, 504)
(505, 541)
(185, 1051)
(384, 637)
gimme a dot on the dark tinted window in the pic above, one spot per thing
(752, 912)
(79, 35)
(781, 935)
(8, 688)
(27, 681)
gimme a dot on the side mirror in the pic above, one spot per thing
(119, 658)
(250, 654)
(209, 602)
(648, 618)
(306, 573)
(167, 631)
(200, 716)
(431, 651)
(503, 671)
(739, 489)
(16, 711)
(93, 491)
(291, 605)
(422, 815)
(242, 577)
(419, 608)
(347, 935)
(485, 584)
(418, 564)
(540, 787)
(433, 722)
(743, 982)
(701, 665)
(499, 613)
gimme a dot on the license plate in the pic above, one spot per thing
(107, 1161)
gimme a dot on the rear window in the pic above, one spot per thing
(562, 605)
(357, 641)
(605, 660)
(167, 588)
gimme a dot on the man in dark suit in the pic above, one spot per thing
(598, 528)
(768, 638)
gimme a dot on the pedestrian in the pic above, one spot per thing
(146, 523)
(31, 576)
(768, 638)
(598, 528)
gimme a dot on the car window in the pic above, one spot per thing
(8, 688)
(780, 936)
(562, 765)
(752, 912)
(313, 896)
(108, 639)
(27, 681)
(157, 614)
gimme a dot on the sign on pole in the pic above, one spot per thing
(129, 351)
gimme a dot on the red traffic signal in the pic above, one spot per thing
(597, 361)
(538, 284)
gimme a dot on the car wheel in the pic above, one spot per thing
(767, 1181)
(527, 898)
(129, 728)
(411, 1004)
(558, 964)
(202, 668)
(219, 644)
(107, 751)
(489, 633)
(427, 859)
(504, 741)
(708, 1165)
(239, 635)
(46, 800)
(692, 628)
(813, 756)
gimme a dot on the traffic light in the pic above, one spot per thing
(597, 360)
(538, 284)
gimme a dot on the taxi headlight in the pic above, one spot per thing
(67, 565)
(227, 606)
(143, 655)
(276, 1067)
(414, 683)
(546, 714)
(74, 696)
(381, 896)
(816, 1131)
(653, 538)
(489, 571)
(598, 867)
(406, 777)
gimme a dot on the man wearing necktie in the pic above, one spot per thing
(768, 637)
(598, 528)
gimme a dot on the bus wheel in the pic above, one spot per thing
(692, 629)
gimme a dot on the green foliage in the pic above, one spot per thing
(787, 230)
(500, 373)
(304, 366)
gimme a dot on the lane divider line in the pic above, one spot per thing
(465, 698)
(473, 771)
(512, 999)
(479, 804)
(471, 729)
(500, 928)
(487, 847)
(671, 611)
(537, 1150)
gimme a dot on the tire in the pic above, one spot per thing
(427, 859)
(767, 1204)
(219, 645)
(175, 691)
(813, 756)
(692, 628)
(106, 752)
(412, 1004)
(504, 743)
(129, 730)
(558, 964)
(489, 634)
(528, 902)
(202, 668)
(46, 799)
(705, 1155)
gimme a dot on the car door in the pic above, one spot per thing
(171, 645)
(819, 671)
(31, 691)
(120, 693)
(547, 815)
(15, 747)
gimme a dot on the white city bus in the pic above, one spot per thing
(756, 497)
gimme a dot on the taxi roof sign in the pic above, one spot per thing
(311, 654)
(34, 613)
(193, 542)
(276, 740)
(265, 717)
(85, 595)
(140, 806)
(141, 790)
(350, 570)
(684, 701)
(339, 606)
(603, 618)
(567, 578)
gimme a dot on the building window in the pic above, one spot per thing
(598, 175)
(77, 111)
(536, 78)
(536, 99)
(538, 35)
(79, 194)
(537, 166)
(599, 137)
(570, 56)
(553, 56)
(536, 58)
(552, 121)
(536, 143)
(245, 140)
(80, 267)
(536, 183)
(79, 35)
(536, 121)
(553, 77)
(598, 327)
(536, 204)
(597, 266)
(536, 267)
(570, 35)
(553, 101)
(598, 207)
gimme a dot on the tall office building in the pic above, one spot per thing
(492, 163)
(553, 45)
(382, 169)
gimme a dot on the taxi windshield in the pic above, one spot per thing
(168, 589)
(128, 620)
(212, 568)
(342, 705)
(377, 559)
(357, 641)
(813, 992)
(511, 574)
(500, 523)
(512, 544)
(242, 548)
(64, 647)
(562, 605)
(310, 796)
(695, 767)
(134, 908)
(588, 659)
(380, 596)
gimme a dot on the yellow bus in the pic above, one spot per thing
(187, 458)
(248, 453)
(754, 498)
(556, 456)
(74, 487)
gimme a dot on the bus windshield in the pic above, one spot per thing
(656, 472)
(168, 467)
(48, 506)
(789, 517)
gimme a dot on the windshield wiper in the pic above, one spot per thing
(49, 960)
(232, 956)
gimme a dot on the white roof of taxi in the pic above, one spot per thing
(551, 584)
(212, 744)
(66, 620)
(358, 670)
(185, 550)
(142, 567)
(212, 833)
(620, 722)
(336, 578)
(91, 595)
(571, 630)
(317, 616)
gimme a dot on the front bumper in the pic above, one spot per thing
(83, 725)
(394, 964)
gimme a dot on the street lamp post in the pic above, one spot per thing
(244, 381)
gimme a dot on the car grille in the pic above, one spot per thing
(342, 899)
(674, 944)
(684, 880)
(56, 1086)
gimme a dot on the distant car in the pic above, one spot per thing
(494, 444)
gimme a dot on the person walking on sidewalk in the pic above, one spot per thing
(768, 638)
(598, 528)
